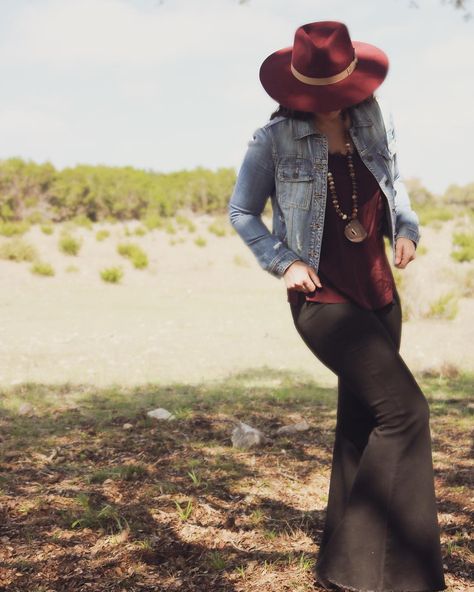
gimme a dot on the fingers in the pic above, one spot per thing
(314, 276)
(302, 277)
(404, 252)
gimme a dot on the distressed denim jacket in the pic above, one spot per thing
(287, 160)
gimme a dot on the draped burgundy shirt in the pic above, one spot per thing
(357, 272)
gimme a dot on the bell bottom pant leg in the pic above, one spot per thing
(381, 531)
(354, 423)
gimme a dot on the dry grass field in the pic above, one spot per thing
(197, 312)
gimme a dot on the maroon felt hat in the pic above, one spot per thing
(324, 70)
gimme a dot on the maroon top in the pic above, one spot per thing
(358, 272)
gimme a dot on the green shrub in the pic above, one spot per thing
(186, 222)
(200, 241)
(153, 221)
(177, 241)
(34, 218)
(465, 246)
(113, 275)
(41, 268)
(47, 229)
(17, 249)
(430, 213)
(102, 234)
(217, 228)
(446, 307)
(13, 228)
(421, 250)
(135, 253)
(82, 220)
(69, 245)
(139, 259)
(169, 227)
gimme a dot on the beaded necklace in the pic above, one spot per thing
(353, 230)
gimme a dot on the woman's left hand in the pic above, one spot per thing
(404, 251)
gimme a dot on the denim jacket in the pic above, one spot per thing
(287, 160)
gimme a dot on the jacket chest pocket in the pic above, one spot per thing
(294, 182)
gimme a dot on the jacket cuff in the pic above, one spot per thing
(411, 233)
(281, 263)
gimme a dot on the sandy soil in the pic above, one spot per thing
(195, 314)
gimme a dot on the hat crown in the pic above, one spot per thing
(322, 49)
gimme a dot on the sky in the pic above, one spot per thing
(168, 85)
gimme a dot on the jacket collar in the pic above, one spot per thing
(302, 128)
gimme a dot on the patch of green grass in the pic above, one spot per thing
(69, 245)
(177, 241)
(140, 231)
(42, 268)
(35, 218)
(153, 221)
(132, 472)
(14, 228)
(216, 560)
(83, 221)
(195, 478)
(445, 307)
(18, 249)
(184, 512)
(102, 234)
(185, 222)
(105, 517)
(112, 275)
(47, 229)
(270, 534)
(421, 250)
(465, 246)
(430, 214)
(257, 517)
(135, 253)
(169, 227)
(217, 228)
(200, 241)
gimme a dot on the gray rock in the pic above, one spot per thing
(245, 436)
(26, 409)
(293, 428)
(160, 413)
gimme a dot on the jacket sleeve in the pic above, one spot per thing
(255, 183)
(407, 223)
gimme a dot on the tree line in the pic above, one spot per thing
(40, 192)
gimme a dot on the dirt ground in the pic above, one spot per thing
(197, 313)
(97, 496)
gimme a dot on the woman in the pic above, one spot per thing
(327, 158)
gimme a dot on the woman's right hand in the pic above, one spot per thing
(301, 277)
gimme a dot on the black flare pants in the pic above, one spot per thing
(381, 529)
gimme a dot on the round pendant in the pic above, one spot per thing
(354, 231)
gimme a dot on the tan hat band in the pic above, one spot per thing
(329, 79)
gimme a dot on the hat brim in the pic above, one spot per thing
(280, 83)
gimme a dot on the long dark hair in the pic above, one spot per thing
(307, 115)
